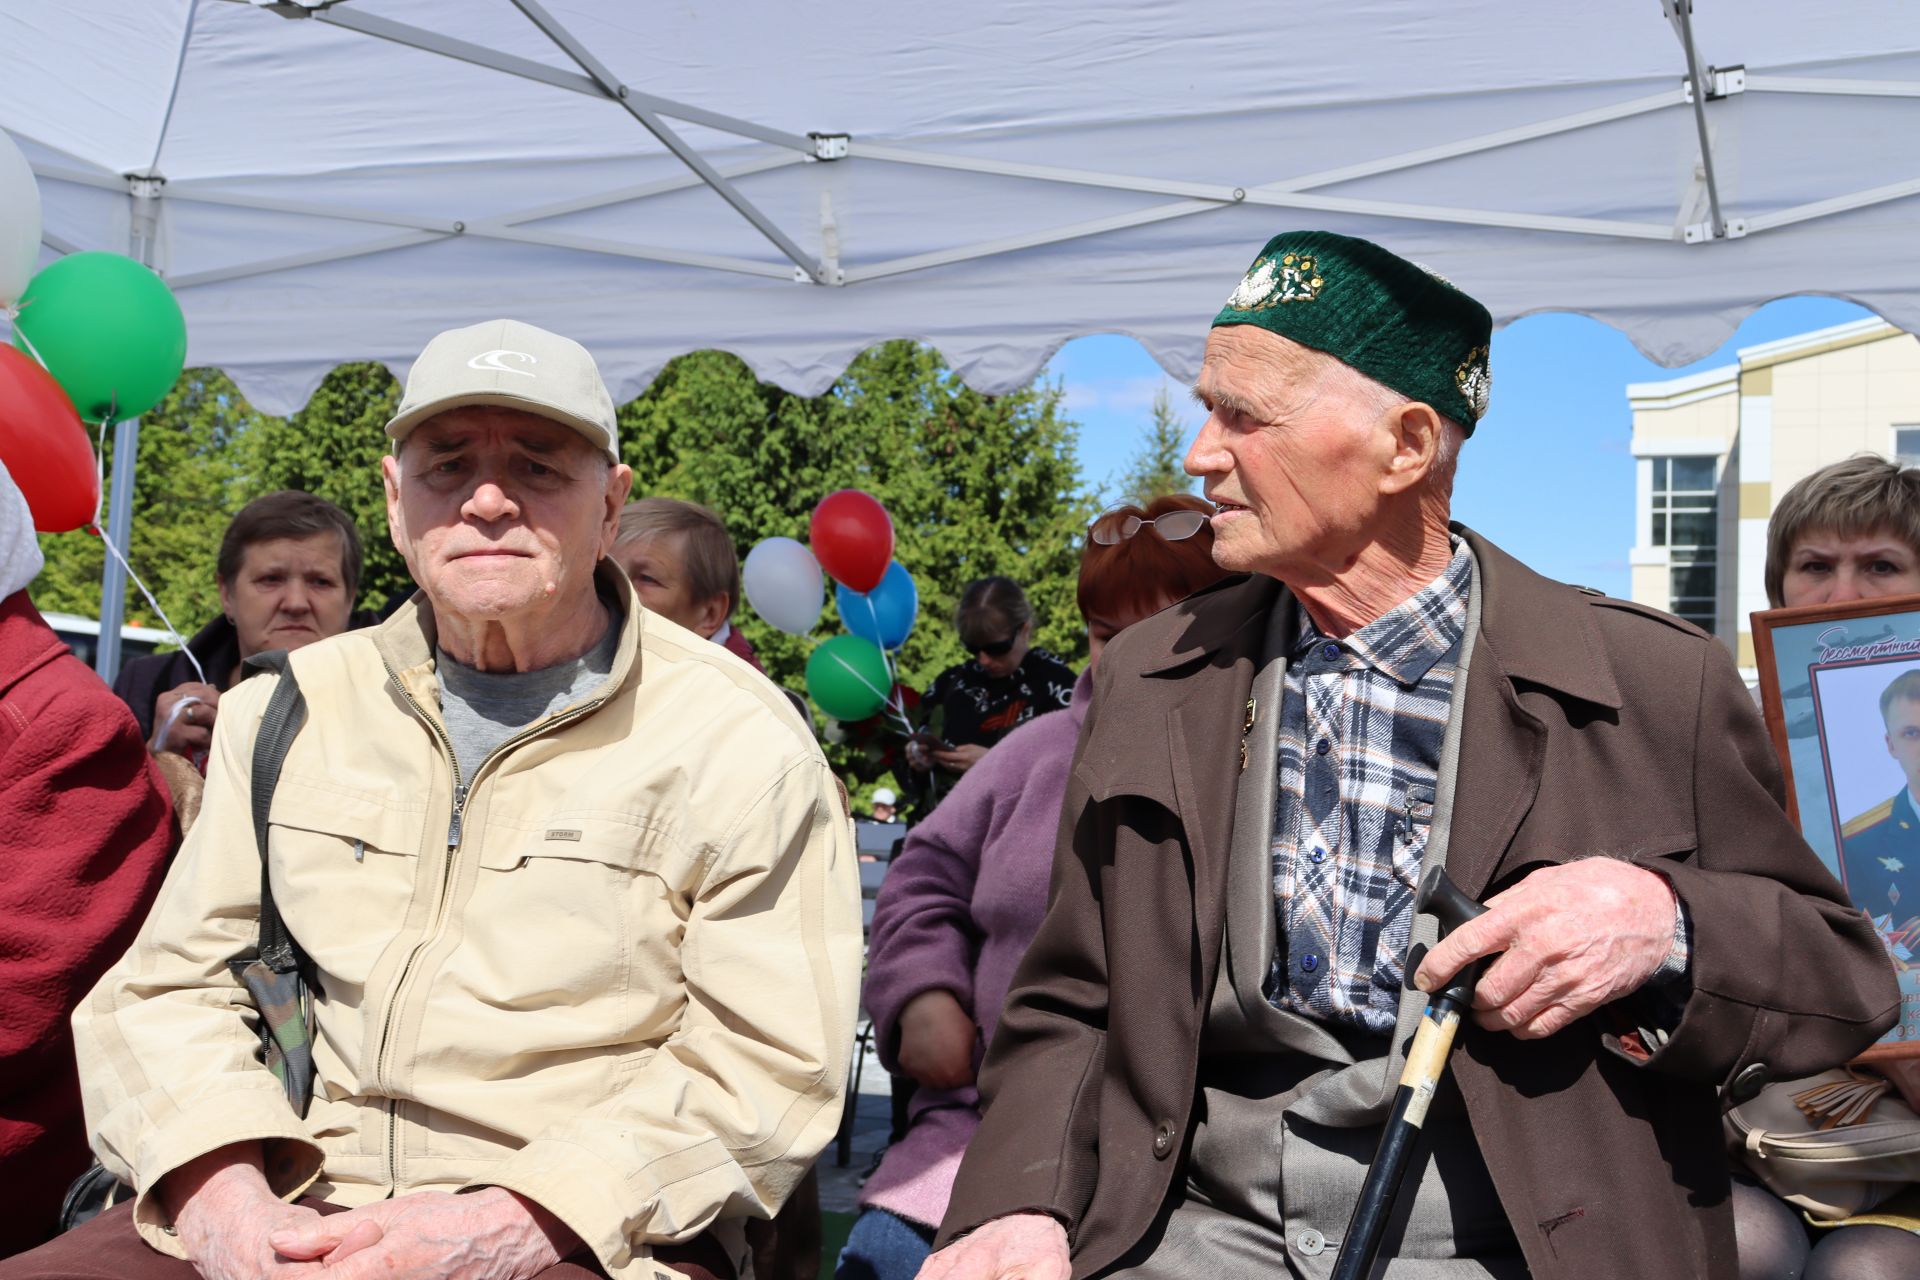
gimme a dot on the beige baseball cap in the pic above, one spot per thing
(510, 365)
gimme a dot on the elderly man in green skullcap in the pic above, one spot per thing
(1192, 1069)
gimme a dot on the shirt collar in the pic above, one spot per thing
(1406, 641)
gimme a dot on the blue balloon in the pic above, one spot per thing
(884, 615)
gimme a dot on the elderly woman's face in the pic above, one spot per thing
(1829, 568)
(289, 592)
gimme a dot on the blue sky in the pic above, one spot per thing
(1547, 474)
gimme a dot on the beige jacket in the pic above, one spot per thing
(620, 981)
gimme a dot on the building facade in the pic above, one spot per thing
(1715, 451)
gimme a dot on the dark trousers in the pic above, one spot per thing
(108, 1248)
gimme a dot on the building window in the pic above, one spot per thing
(1686, 520)
(1906, 446)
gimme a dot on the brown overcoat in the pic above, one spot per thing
(1592, 726)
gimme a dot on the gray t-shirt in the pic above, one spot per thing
(482, 709)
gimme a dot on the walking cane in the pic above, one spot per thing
(1438, 896)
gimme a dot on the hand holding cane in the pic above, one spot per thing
(1426, 1061)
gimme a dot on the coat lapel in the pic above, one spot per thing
(1196, 686)
(1534, 633)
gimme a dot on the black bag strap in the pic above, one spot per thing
(286, 712)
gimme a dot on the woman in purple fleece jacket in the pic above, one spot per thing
(965, 896)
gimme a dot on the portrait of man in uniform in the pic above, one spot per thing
(1880, 849)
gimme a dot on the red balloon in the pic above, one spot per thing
(852, 537)
(44, 446)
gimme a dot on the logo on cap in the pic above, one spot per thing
(1270, 282)
(491, 360)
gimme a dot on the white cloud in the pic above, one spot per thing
(1119, 396)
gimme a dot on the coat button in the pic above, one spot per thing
(1163, 1140)
(1752, 1079)
(1329, 651)
(1310, 1242)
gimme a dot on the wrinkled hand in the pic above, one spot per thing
(431, 1235)
(224, 1214)
(193, 729)
(961, 758)
(936, 1040)
(1575, 937)
(1020, 1246)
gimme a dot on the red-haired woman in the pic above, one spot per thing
(965, 896)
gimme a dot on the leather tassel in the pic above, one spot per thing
(1841, 1102)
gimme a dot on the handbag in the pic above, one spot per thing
(275, 972)
(1834, 1145)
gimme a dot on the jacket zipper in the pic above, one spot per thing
(461, 789)
(446, 870)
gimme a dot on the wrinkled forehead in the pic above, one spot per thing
(490, 427)
(1875, 540)
(1249, 368)
(326, 549)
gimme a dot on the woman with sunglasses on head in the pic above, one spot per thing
(963, 899)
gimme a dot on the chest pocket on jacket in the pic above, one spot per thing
(345, 870)
(581, 908)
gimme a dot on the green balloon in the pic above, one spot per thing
(847, 677)
(107, 329)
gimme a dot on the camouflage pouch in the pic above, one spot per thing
(276, 974)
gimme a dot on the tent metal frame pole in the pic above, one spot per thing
(583, 57)
(240, 271)
(143, 233)
(1838, 204)
(1764, 83)
(506, 228)
(526, 68)
(645, 108)
(1217, 191)
(113, 578)
(1680, 12)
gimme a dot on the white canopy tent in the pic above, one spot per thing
(324, 181)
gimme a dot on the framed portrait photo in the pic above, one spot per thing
(1840, 688)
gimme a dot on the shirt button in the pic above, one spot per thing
(1163, 1140)
(1329, 651)
(1318, 855)
(1321, 747)
(1309, 962)
(1310, 1242)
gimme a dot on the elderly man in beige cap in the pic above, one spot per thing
(583, 997)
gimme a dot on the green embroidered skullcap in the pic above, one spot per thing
(1393, 320)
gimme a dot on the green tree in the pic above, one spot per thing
(186, 486)
(332, 448)
(975, 484)
(1156, 470)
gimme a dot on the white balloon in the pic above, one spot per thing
(19, 222)
(784, 585)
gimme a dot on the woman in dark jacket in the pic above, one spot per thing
(289, 568)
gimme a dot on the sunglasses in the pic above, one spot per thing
(1175, 526)
(998, 649)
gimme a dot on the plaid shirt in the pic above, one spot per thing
(1361, 724)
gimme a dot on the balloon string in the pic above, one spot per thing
(100, 531)
(172, 631)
